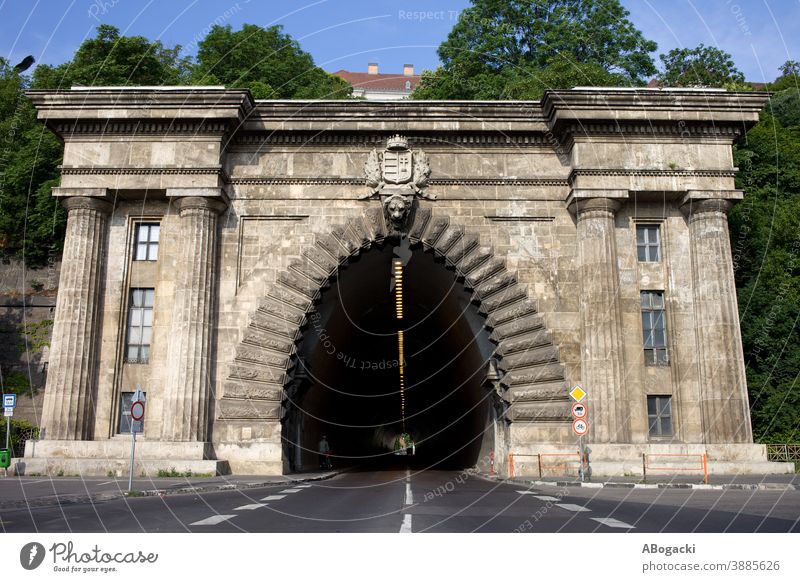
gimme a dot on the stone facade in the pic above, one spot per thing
(261, 203)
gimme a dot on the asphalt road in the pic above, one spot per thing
(406, 501)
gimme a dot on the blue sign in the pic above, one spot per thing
(9, 400)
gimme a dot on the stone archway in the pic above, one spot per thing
(531, 378)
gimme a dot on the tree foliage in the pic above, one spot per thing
(702, 66)
(765, 238)
(519, 48)
(267, 61)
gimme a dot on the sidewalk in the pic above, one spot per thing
(21, 492)
(789, 482)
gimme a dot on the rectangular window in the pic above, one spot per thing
(654, 328)
(146, 243)
(140, 326)
(659, 415)
(648, 243)
(125, 401)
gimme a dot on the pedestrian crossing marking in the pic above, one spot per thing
(213, 520)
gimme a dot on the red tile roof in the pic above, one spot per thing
(379, 81)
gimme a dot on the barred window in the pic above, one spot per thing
(146, 244)
(648, 243)
(654, 328)
(140, 326)
(125, 402)
(659, 415)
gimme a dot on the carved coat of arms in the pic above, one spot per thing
(406, 171)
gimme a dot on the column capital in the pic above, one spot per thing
(87, 203)
(692, 208)
(216, 205)
(582, 200)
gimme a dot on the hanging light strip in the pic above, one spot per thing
(398, 297)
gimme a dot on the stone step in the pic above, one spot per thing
(509, 296)
(544, 374)
(260, 355)
(495, 284)
(517, 327)
(256, 373)
(517, 309)
(419, 223)
(538, 392)
(265, 339)
(437, 226)
(528, 341)
(267, 322)
(448, 239)
(282, 311)
(249, 408)
(461, 249)
(243, 389)
(538, 411)
(529, 358)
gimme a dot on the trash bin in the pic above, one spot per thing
(5, 458)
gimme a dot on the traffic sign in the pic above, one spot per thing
(577, 393)
(8, 411)
(579, 410)
(580, 427)
(137, 410)
(9, 400)
(138, 395)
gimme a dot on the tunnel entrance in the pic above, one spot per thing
(346, 381)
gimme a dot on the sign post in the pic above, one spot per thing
(580, 426)
(9, 404)
(137, 414)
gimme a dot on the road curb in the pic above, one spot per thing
(69, 499)
(628, 485)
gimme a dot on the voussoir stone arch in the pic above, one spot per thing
(533, 378)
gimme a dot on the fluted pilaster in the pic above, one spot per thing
(723, 385)
(69, 399)
(601, 354)
(186, 396)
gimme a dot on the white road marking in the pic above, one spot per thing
(303, 486)
(408, 475)
(546, 498)
(409, 495)
(273, 497)
(406, 527)
(213, 520)
(611, 522)
(572, 507)
(527, 492)
(250, 507)
(290, 491)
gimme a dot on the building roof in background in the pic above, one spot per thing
(379, 81)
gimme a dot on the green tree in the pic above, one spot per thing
(765, 238)
(515, 48)
(112, 59)
(702, 66)
(265, 60)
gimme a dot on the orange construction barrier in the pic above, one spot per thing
(702, 464)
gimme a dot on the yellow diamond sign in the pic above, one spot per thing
(577, 393)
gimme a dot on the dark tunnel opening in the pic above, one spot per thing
(346, 381)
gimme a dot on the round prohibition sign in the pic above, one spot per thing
(579, 410)
(580, 427)
(137, 410)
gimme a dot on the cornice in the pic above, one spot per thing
(359, 181)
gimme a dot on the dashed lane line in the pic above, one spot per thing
(409, 495)
(406, 527)
(295, 490)
(213, 520)
(273, 497)
(572, 507)
(250, 507)
(546, 498)
(527, 492)
(611, 522)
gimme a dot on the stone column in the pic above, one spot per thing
(601, 353)
(186, 397)
(723, 386)
(69, 398)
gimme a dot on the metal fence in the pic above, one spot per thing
(783, 452)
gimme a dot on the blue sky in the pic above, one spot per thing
(346, 34)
